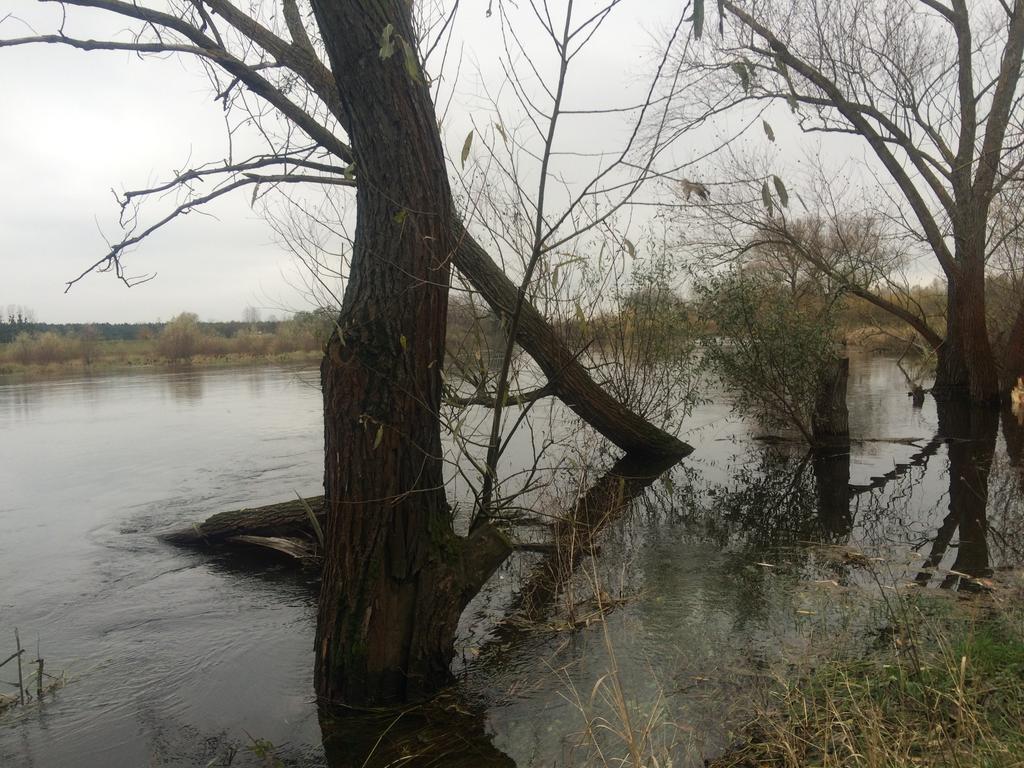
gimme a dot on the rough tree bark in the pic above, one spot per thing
(966, 368)
(396, 577)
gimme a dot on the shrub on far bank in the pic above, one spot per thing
(180, 339)
(42, 348)
(305, 331)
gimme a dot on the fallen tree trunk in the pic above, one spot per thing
(284, 519)
(573, 537)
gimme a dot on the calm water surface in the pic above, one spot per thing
(181, 659)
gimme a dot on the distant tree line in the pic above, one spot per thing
(132, 331)
(179, 340)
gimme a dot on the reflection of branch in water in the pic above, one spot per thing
(776, 501)
(574, 536)
(888, 514)
(919, 459)
(940, 544)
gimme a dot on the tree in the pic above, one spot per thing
(396, 575)
(179, 339)
(277, 57)
(777, 352)
(840, 247)
(970, 437)
(251, 315)
(931, 87)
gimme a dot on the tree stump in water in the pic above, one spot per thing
(830, 423)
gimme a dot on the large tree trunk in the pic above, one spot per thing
(966, 366)
(396, 577)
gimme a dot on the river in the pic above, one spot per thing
(176, 658)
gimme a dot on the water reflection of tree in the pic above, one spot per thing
(970, 436)
(574, 536)
(448, 732)
(186, 386)
(782, 499)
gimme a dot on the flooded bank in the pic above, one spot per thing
(189, 659)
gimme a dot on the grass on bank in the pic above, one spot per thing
(941, 687)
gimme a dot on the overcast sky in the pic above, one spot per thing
(74, 125)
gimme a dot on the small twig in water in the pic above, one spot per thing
(21, 679)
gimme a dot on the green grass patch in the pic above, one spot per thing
(946, 688)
